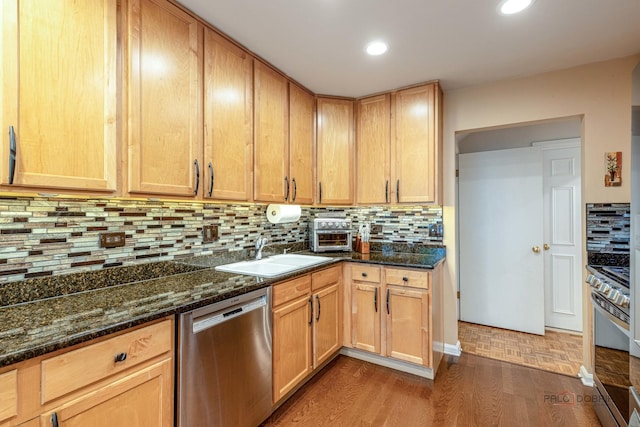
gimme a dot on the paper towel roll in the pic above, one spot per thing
(280, 214)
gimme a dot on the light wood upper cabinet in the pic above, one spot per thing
(59, 93)
(335, 151)
(228, 119)
(271, 135)
(399, 147)
(416, 144)
(302, 107)
(165, 100)
(373, 149)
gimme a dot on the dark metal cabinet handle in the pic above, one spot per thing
(54, 419)
(405, 279)
(320, 201)
(12, 154)
(286, 188)
(398, 191)
(310, 310)
(295, 189)
(387, 301)
(386, 191)
(197, 166)
(318, 315)
(120, 357)
(375, 299)
(364, 274)
(210, 193)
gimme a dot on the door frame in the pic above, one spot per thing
(580, 141)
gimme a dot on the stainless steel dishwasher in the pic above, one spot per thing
(224, 363)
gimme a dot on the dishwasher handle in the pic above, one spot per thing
(213, 319)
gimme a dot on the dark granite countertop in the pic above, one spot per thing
(32, 328)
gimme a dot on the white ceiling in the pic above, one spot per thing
(320, 43)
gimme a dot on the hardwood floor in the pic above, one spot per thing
(468, 391)
(555, 351)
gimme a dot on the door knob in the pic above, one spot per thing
(546, 247)
(536, 249)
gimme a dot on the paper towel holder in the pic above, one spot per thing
(281, 214)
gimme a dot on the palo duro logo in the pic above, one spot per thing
(565, 397)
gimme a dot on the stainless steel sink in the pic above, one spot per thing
(274, 265)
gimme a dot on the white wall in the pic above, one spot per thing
(599, 93)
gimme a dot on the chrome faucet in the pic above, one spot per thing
(260, 244)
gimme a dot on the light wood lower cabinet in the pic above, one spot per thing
(291, 345)
(395, 312)
(408, 325)
(307, 326)
(126, 379)
(366, 321)
(8, 394)
(142, 399)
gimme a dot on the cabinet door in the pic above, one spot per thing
(407, 325)
(271, 138)
(301, 144)
(292, 359)
(165, 100)
(59, 93)
(335, 164)
(373, 150)
(326, 325)
(228, 119)
(415, 145)
(365, 317)
(142, 399)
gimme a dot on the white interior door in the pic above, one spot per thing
(500, 217)
(562, 234)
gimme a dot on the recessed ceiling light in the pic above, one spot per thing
(509, 7)
(376, 48)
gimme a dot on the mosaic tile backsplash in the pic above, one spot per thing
(42, 237)
(608, 232)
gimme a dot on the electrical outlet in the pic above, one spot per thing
(376, 228)
(112, 240)
(209, 233)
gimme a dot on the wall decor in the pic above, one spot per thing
(613, 169)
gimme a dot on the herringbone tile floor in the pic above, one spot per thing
(555, 351)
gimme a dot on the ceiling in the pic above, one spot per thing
(320, 43)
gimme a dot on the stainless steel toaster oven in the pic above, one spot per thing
(330, 235)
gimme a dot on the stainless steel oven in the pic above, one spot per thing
(330, 234)
(610, 300)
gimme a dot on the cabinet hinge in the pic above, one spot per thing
(458, 294)
(457, 173)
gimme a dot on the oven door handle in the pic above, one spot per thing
(624, 328)
(345, 232)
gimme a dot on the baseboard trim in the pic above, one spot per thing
(399, 365)
(453, 350)
(585, 376)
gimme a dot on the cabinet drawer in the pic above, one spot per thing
(327, 277)
(78, 368)
(291, 289)
(365, 273)
(8, 395)
(411, 278)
